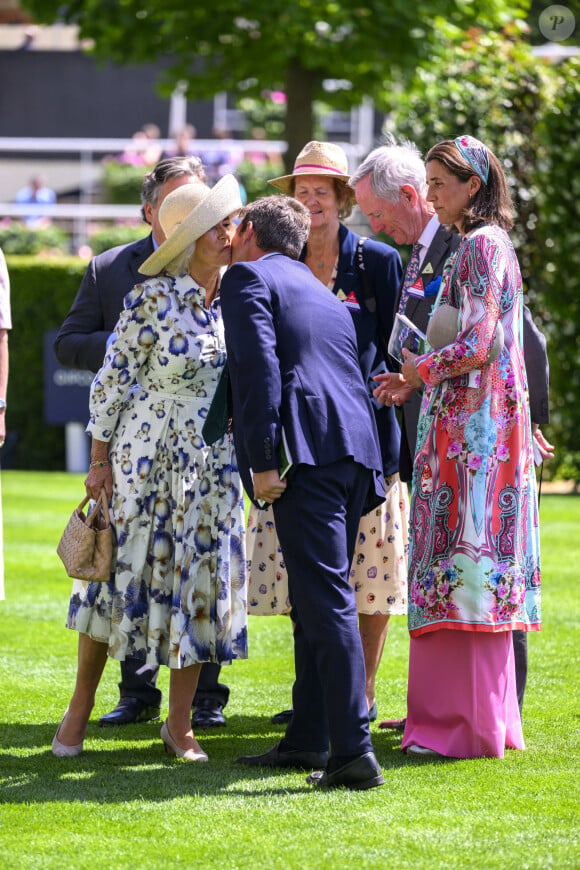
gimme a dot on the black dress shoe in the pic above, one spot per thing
(276, 757)
(361, 773)
(282, 718)
(129, 711)
(208, 713)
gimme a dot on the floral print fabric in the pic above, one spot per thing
(378, 572)
(475, 561)
(177, 595)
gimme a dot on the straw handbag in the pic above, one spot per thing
(87, 543)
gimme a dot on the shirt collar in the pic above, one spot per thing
(428, 233)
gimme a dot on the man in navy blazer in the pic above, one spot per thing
(81, 344)
(294, 368)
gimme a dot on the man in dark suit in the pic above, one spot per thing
(81, 343)
(295, 373)
(390, 188)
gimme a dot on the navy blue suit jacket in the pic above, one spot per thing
(293, 363)
(384, 271)
(81, 340)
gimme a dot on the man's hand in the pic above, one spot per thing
(409, 370)
(544, 448)
(392, 389)
(268, 486)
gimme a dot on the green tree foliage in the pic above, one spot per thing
(528, 112)
(288, 45)
(557, 256)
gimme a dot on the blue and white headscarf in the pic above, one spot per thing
(476, 154)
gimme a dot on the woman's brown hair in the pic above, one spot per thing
(492, 204)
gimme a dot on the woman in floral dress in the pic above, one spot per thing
(474, 571)
(177, 591)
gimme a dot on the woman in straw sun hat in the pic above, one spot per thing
(319, 181)
(176, 595)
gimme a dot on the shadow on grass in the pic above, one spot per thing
(129, 763)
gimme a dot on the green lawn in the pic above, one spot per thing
(124, 804)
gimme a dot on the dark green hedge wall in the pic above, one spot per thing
(42, 291)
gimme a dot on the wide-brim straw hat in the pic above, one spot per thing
(187, 213)
(317, 158)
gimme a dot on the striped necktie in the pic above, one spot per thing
(411, 273)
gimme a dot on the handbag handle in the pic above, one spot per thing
(100, 504)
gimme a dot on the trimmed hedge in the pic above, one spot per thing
(42, 291)
(17, 238)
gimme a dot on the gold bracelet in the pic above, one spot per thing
(99, 463)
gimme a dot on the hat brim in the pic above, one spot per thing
(222, 200)
(284, 182)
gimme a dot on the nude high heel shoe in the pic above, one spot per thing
(172, 748)
(60, 750)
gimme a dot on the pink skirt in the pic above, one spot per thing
(461, 697)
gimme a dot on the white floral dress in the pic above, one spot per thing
(177, 595)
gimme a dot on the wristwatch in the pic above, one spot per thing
(2, 405)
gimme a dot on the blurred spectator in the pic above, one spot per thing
(270, 159)
(184, 143)
(30, 35)
(145, 150)
(221, 160)
(36, 192)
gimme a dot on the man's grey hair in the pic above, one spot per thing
(390, 166)
(280, 223)
(171, 167)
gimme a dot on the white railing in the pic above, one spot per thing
(91, 151)
(117, 146)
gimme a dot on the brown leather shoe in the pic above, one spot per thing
(393, 724)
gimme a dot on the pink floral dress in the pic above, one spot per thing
(474, 560)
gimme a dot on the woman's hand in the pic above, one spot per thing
(100, 474)
(97, 478)
(409, 370)
(392, 389)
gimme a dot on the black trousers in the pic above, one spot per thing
(138, 680)
(520, 643)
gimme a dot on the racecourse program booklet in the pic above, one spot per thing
(405, 334)
(284, 463)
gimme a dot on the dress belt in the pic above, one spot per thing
(185, 398)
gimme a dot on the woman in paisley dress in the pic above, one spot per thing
(474, 572)
(176, 595)
(379, 569)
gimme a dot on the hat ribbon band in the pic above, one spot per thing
(313, 167)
